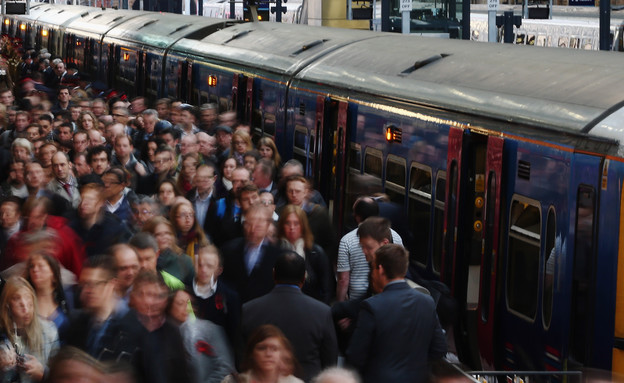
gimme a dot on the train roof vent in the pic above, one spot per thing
(422, 63)
(524, 170)
(150, 22)
(178, 29)
(116, 19)
(84, 14)
(96, 16)
(308, 46)
(237, 35)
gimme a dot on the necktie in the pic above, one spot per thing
(67, 188)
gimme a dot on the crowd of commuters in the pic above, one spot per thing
(155, 241)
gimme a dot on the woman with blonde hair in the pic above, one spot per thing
(189, 234)
(267, 149)
(294, 234)
(170, 257)
(241, 144)
(27, 341)
(87, 121)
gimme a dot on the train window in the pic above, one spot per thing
(574, 42)
(395, 179)
(523, 259)
(224, 104)
(488, 250)
(549, 267)
(420, 211)
(438, 221)
(583, 274)
(269, 124)
(373, 163)
(541, 40)
(355, 157)
(563, 42)
(300, 144)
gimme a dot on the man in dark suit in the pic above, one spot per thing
(306, 322)
(397, 331)
(249, 260)
(204, 198)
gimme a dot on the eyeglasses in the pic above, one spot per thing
(186, 216)
(162, 161)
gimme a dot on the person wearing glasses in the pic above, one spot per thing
(188, 232)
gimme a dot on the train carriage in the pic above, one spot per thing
(506, 161)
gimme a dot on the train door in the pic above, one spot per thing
(472, 217)
(239, 88)
(586, 181)
(185, 79)
(330, 147)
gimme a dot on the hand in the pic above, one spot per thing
(33, 368)
(140, 169)
(344, 323)
(8, 357)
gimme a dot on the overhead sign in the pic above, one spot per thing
(406, 6)
(493, 5)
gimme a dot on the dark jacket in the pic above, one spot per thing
(108, 231)
(178, 265)
(396, 335)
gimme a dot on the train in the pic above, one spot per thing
(506, 160)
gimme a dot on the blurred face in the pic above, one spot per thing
(224, 139)
(151, 150)
(9, 214)
(239, 178)
(123, 147)
(174, 116)
(162, 162)
(7, 98)
(240, 145)
(266, 152)
(186, 118)
(149, 123)
(292, 228)
(142, 213)
(64, 133)
(75, 113)
(80, 143)
(127, 265)
(87, 122)
(163, 236)
(20, 153)
(188, 145)
(99, 163)
(59, 69)
(206, 144)
(40, 273)
(179, 306)
(64, 95)
(369, 247)
(147, 259)
(97, 108)
(90, 203)
(169, 140)
(247, 199)
(22, 307)
(185, 218)
(256, 227)
(34, 175)
(95, 288)
(46, 127)
(166, 194)
(60, 166)
(112, 186)
(32, 133)
(82, 168)
(95, 137)
(120, 117)
(228, 168)
(189, 168)
(267, 355)
(207, 267)
(21, 122)
(163, 111)
(250, 163)
(149, 299)
(46, 153)
(296, 192)
(208, 117)
(37, 218)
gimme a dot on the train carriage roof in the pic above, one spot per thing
(101, 22)
(281, 47)
(161, 30)
(61, 15)
(557, 88)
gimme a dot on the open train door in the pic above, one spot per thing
(329, 163)
(472, 217)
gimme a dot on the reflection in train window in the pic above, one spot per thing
(355, 158)
(373, 163)
(550, 258)
(353, 187)
(299, 144)
(438, 221)
(574, 42)
(563, 42)
(587, 44)
(531, 40)
(269, 124)
(524, 254)
(420, 211)
(520, 38)
(395, 179)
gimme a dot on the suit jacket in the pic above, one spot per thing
(396, 334)
(210, 223)
(55, 187)
(306, 322)
(260, 281)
